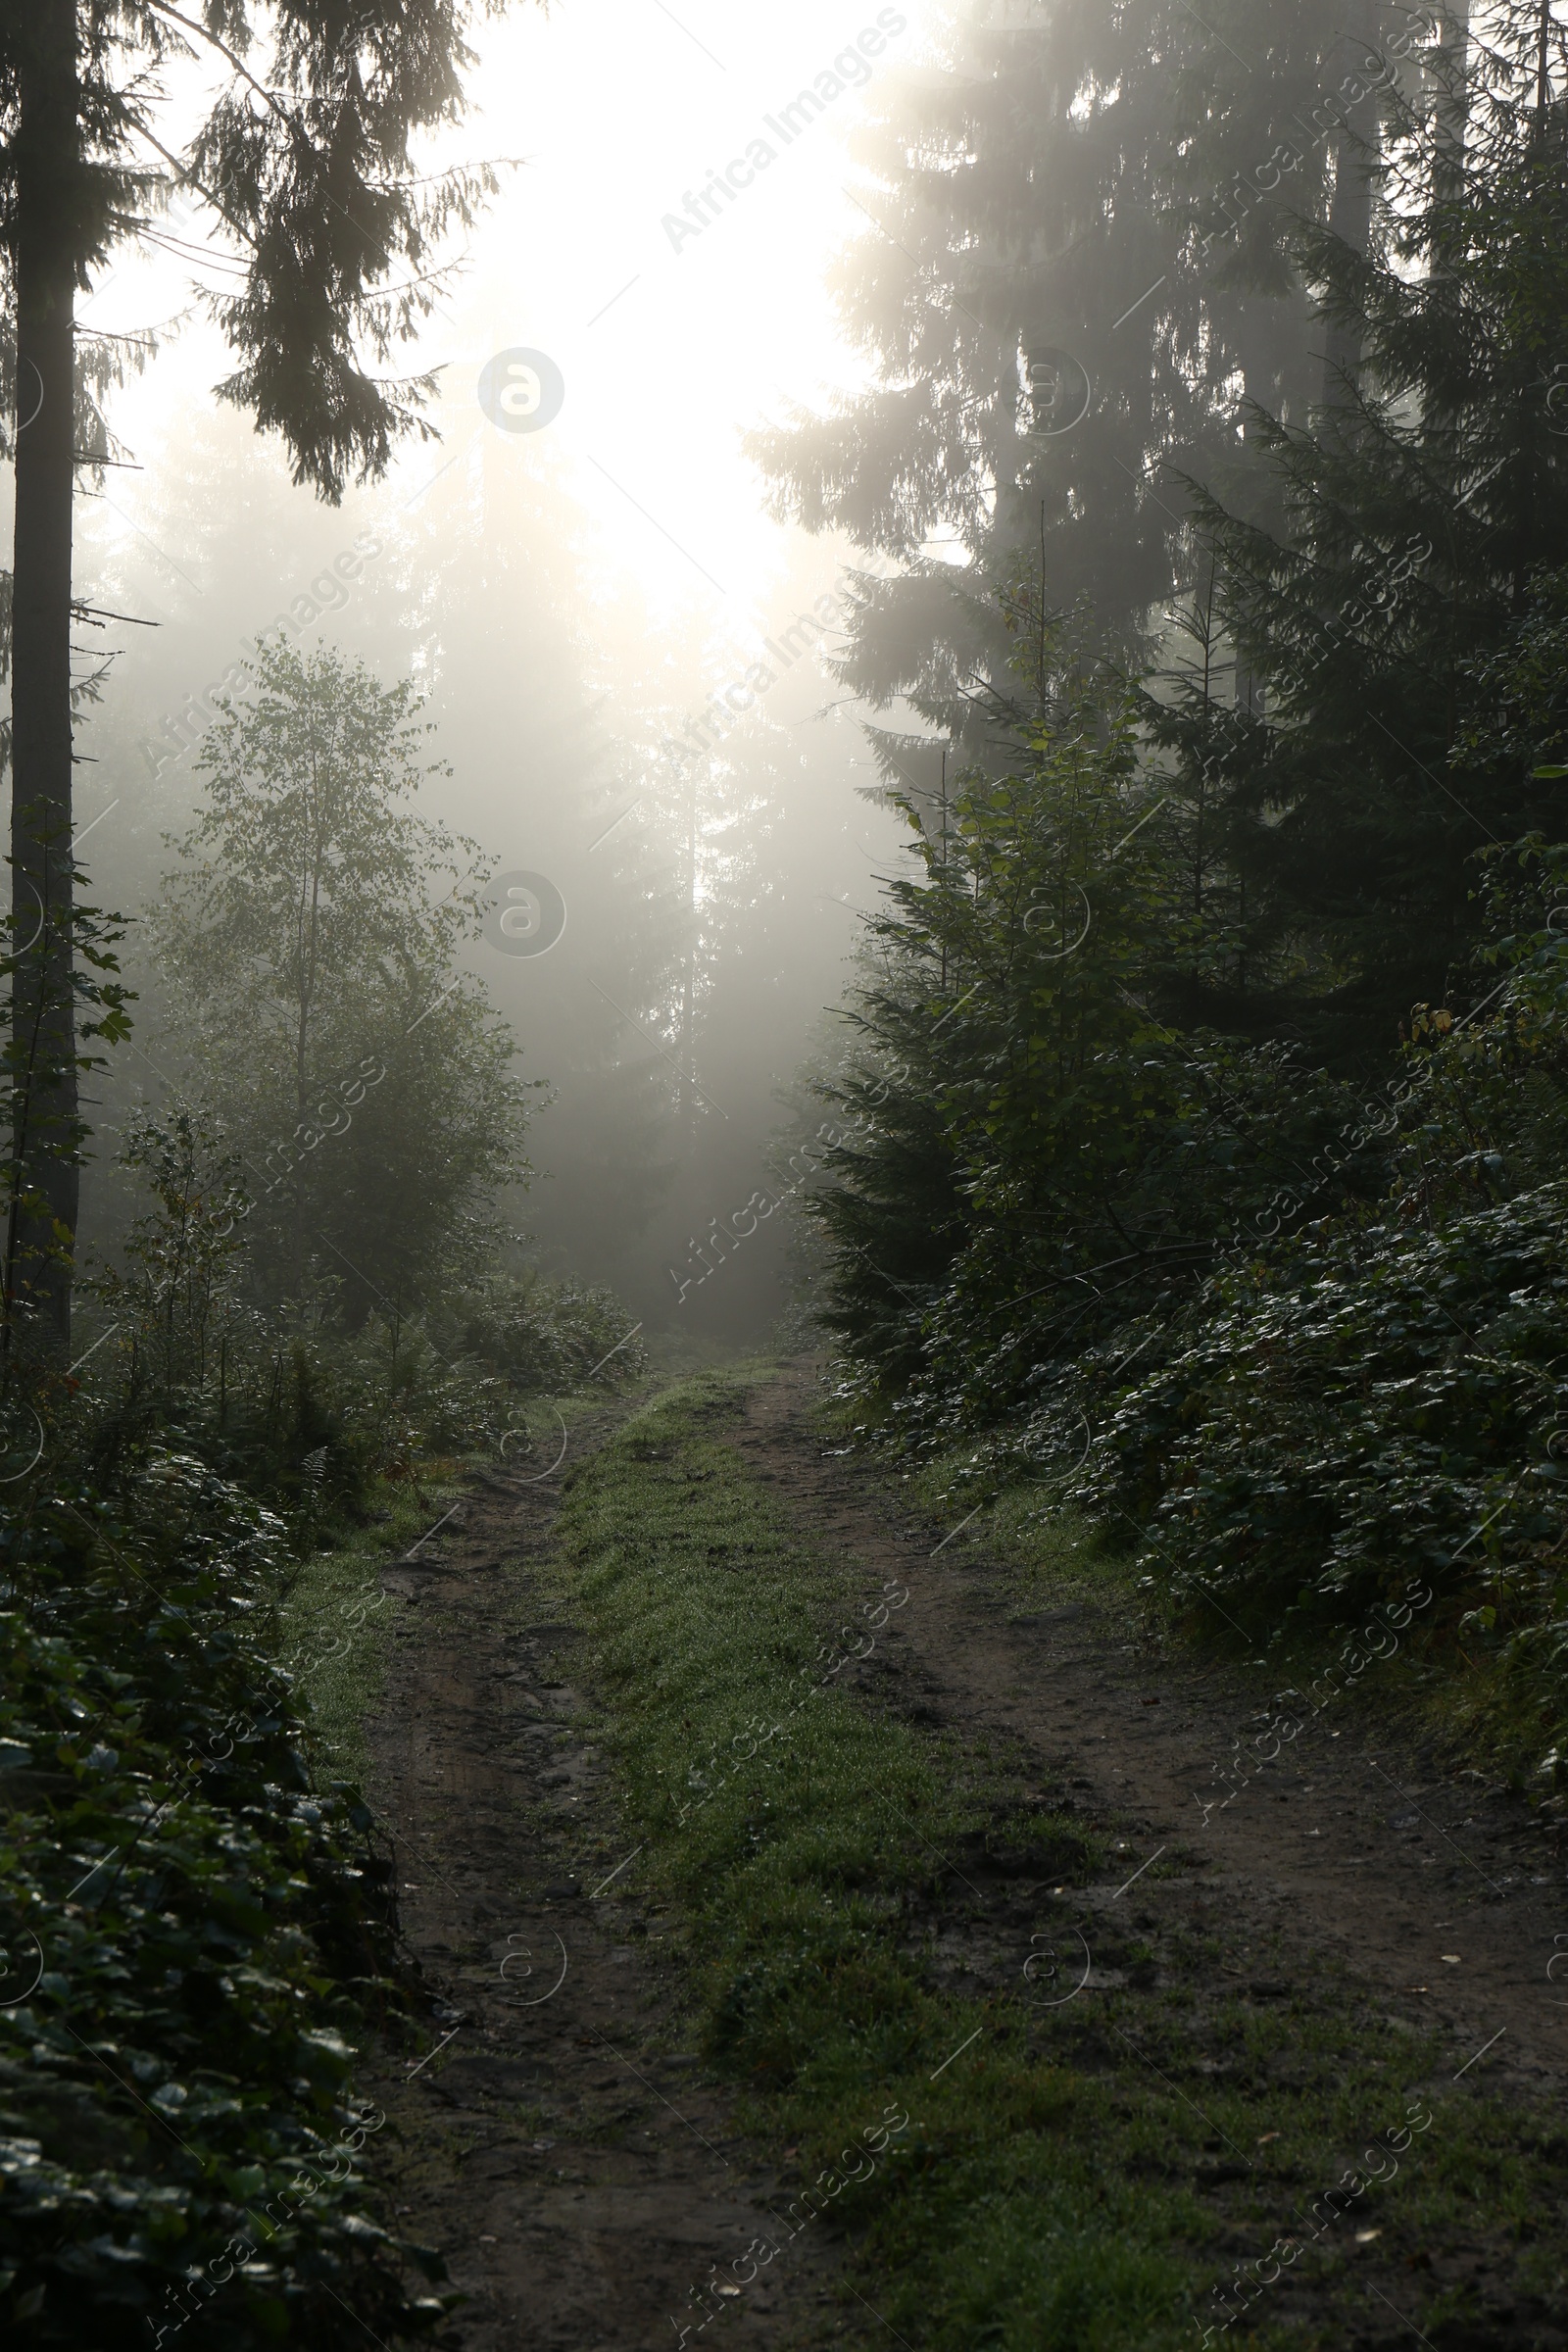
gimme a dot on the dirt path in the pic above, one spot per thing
(1362, 1854)
(571, 2161)
(565, 2157)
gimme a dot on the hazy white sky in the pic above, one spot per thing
(616, 110)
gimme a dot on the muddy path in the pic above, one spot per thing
(1442, 1891)
(572, 2158)
(555, 2143)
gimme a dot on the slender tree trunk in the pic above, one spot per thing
(1255, 340)
(1350, 217)
(1453, 103)
(43, 1224)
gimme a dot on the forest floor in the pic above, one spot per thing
(1194, 2015)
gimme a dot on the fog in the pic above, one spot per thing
(575, 573)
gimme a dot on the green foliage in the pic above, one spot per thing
(1055, 316)
(315, 187)
(175, 1297)
(1350, 1413)
(194, 1934)
(546, 1338)
(1411, 515)
(306, 1414)
(1242, 1221)
(1376, 1400)
(317, 1297)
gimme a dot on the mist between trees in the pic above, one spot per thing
(343, 1114)
(328, 592)
(701, 732)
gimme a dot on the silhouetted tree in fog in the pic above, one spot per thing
(309, 948)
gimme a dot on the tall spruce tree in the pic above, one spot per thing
(1076, 265)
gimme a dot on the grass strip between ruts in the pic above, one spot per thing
(1062, 2181)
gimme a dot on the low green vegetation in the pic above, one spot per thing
(887, 1931)
(197, 1925)
(196, 1931)
(331, 1623)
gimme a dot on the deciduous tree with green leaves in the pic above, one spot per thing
(309, 948)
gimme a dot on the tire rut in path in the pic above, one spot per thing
(1361, 1852)
(578, 2173)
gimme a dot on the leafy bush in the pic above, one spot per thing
(1378, 1399)
(305, 1411)
(548, 1337)
(1366, 1407)
(193, 1937)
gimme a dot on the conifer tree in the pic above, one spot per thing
(1076, 262)
(1417, 510)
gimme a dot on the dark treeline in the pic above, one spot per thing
(1204, 1073)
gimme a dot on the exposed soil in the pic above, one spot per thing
(567, 2159)
(572, 2163)
(1389, 1888)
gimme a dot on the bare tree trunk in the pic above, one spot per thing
(1452, 101)
(43, 1223)
(1349, 217)
(1257, 384)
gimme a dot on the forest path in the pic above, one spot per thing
(576, 2172)
(1358, 1851)
(582, 2171)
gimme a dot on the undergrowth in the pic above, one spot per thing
(1477, 1681)
(196, 1932)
